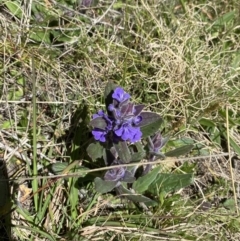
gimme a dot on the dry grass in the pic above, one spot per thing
(180, 59)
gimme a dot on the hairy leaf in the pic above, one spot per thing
(143, 182)
(135, 197)
(150, 123)
(99, 122)
(95, 151)
(123, 151)
(168, 182)
(179, 151)
(104, 186)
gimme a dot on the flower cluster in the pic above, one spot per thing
(115, 174)
(156, 143)
(122, 120)
(119, 173)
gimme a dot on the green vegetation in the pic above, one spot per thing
(179, 58)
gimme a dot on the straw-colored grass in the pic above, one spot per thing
(180, 58)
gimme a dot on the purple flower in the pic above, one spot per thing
(128, 132)
(136, 120)
(122, 121)
(100, 134)
(100, 113)
(157, 142)
(120, 95)
(115, 173)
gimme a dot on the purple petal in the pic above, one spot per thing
(137, 120)
(100, 113)
(158, 142)
(99, 135)
(111, 107)
(137, 136)
(119, 131)
(127, 110)
(120, 95)
(128, 132)
(115, 173)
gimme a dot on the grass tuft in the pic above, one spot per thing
(180, 58)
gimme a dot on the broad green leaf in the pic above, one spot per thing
(179, 151)
(57, 168)
(140, 154)
(144, 182)
(40, 36)
(230, 204)
(102, 186)
(150, 123)
(65, 167)
(207, 122)
(128, 177)
(95, 151)
(135, 197)
(137, 156)
(99, 122)
(169, 182)
(180, 142)
(7, 124)
(123, 151)
(235, 64)
(14, 8)
(225, 19)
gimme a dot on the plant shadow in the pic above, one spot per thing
(5, 204)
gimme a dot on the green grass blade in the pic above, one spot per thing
(34, 134)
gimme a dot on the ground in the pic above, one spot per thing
(179, 58)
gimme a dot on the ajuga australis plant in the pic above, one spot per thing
(125, 133)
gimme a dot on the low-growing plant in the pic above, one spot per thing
(125, 134)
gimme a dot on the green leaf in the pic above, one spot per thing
(225, 19)
(137, 156)
(207, 122)
(128, 177)
(144, 182)
(123, 151)
(14, 8)
(135, 197)
(95, 151)
(7, 124)
(230, 204)
(180, 142)
(235, 63)
(140, 154)
(179, 151)
(168, 182)
(102, 186)
(65, 167)
(57, 168)
(40, 36)
(99, 122)
(150, 123)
